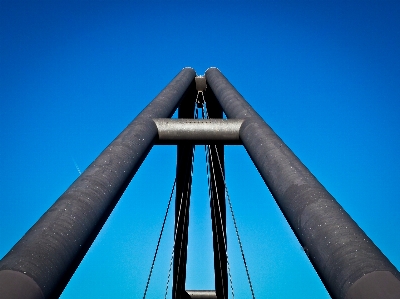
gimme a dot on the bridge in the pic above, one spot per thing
(347, 261)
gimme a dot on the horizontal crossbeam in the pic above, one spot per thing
(203, 294)
(198, 131)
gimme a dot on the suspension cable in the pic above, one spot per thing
(236, 228)
(209, 163)
(208, 157)
(159, 240)
(169, 272)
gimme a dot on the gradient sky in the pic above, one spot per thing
(325, 75)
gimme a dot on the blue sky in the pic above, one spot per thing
(325, 75)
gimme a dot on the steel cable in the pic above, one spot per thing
(209, 165)
(236, 229)
(159, 240)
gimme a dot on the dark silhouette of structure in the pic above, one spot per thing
(347, 261)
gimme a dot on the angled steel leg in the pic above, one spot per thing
(347, 261)
(43, 261)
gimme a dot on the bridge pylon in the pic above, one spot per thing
(349, 264)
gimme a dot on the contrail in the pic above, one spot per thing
(77, 167)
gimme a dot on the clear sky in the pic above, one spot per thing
(325, 75)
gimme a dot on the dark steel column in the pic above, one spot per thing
(182, 201)
(218, 208)
(347, 261)
(43, 261)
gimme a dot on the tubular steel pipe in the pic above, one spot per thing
(198, 131)
(347, 261)
(43, 261)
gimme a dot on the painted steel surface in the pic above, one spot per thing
(349, 264)
(198, 131)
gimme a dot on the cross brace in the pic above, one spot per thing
(201, 294)
(198, 131)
